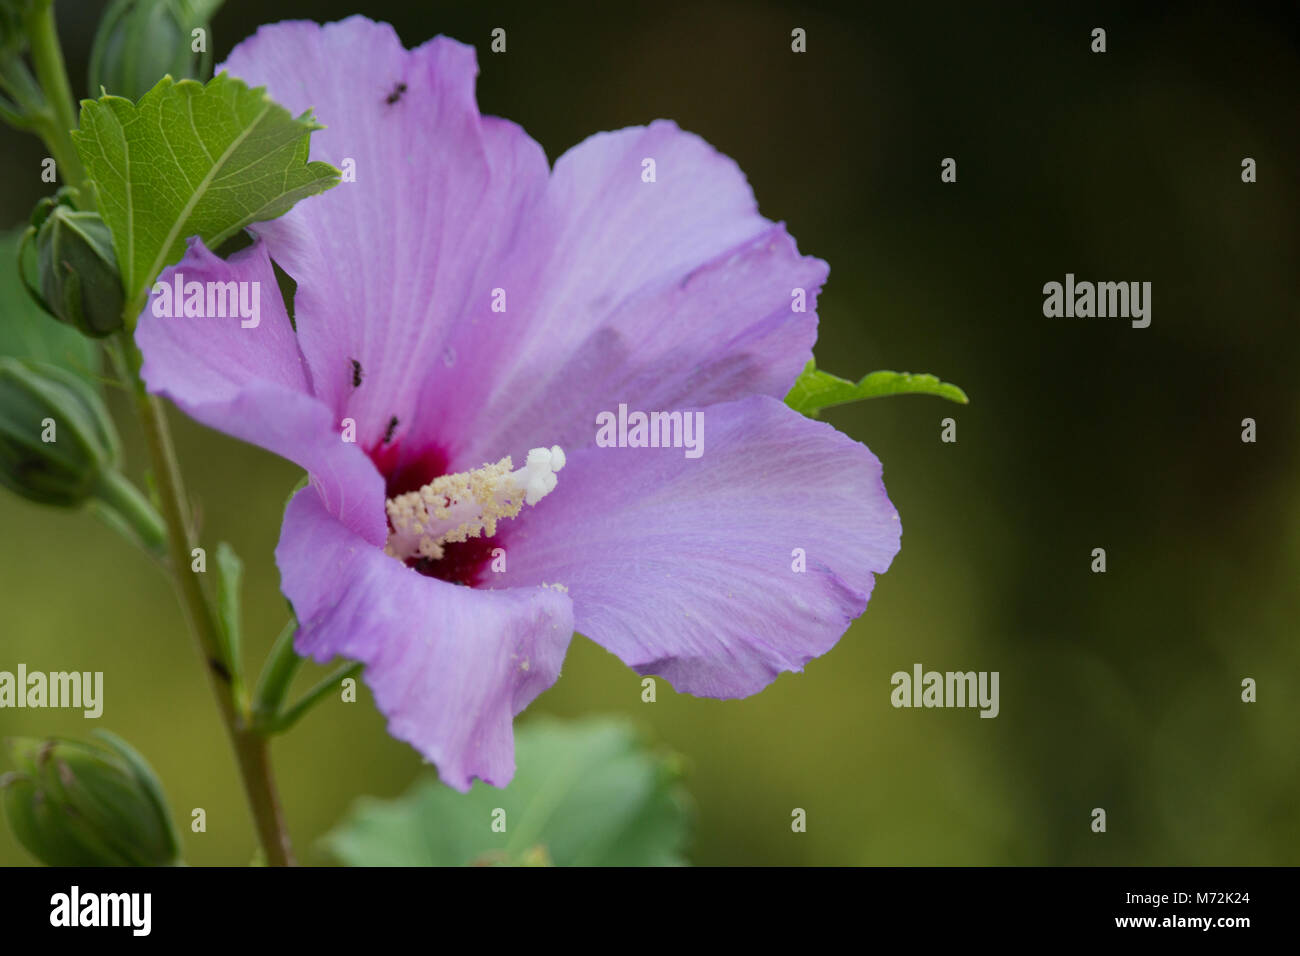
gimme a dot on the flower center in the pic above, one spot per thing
(454, 508)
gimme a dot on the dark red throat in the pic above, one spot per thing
(465, 562)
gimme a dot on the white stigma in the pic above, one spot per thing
(468, 504)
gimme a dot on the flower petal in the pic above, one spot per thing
(614, 288)
(655, 293)
(686, 567)
(450, 666)
(252, 383)
(388, 263)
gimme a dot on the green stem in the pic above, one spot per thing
(11, 114)
(17, 82)
(124, 500)
(52, 75)
(277, 673)
(251, 745)
(26, 109)
(310, 699)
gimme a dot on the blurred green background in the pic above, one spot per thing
(1119, 690)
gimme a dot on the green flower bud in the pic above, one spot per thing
(141, 41)
(78, 267)
(87, 804)
(57, 442)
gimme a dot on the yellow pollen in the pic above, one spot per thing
(455, 508)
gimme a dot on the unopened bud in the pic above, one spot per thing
(78, 268)
(87, 804)
(57, 442)
(141, 41)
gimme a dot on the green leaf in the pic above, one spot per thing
(26, 330)
(192, 159)
(816, 389)
(586, 793)
(230, 575)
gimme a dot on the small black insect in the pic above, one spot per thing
(396, 95)
(356, 374)
(219, 669)
(392, 427)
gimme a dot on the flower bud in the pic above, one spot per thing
(57, 442)
(87, 804)
(141, 41)
(78, 268)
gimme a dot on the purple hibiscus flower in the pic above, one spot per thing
(460, 303)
